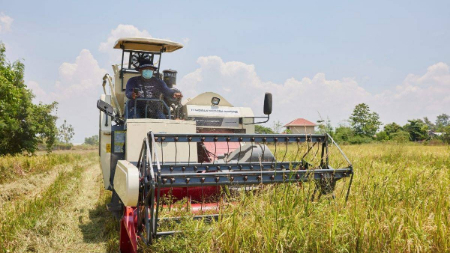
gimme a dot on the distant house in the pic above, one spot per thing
(434, 134)
(300, 126)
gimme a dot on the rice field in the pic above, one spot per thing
(399, 202)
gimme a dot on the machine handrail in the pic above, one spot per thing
(146, 99)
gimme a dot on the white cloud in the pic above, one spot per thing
(77, 89)
(416, 97)
(39, 93)
(121, 31)
(79, 86)
(5, 23)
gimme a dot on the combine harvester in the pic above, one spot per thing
(205, 148)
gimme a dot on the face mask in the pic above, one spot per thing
(147, 73)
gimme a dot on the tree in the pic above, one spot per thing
(446, 134)
(65, 132)
(400, 136)
(363, 121)
(343, 134)
(417, 130)
(277, 125)
(382, 136)
(325, 126)
(23, 125)
(263, 130)
(442, 121)
(430, 124)
(392, 128)
(93, 140)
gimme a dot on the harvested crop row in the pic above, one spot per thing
(42, 172)
(75, 220)
(26, 218)
(18, 166)
(82, 224)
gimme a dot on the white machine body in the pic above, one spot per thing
(126, 182)
(200, 115)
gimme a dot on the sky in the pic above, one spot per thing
(318, 58)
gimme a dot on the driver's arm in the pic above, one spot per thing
(167, 91)
(129, 88)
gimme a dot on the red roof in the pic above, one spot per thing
(300, 122)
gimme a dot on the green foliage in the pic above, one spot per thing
(66, 132)
(262, 130)
(363, 121)
(325, 127)
(446, 134)
(346, 135)
(430, 124)
(382, 136)
(358, 139)
(417, 130)
(400, 136)
(392, 128)
(93, 140)
(23, 125)
(442, 121)
(343, 134)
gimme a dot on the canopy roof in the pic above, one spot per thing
(147, 44)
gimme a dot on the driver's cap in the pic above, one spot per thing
(146, 64)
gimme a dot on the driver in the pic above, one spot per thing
(147, 86)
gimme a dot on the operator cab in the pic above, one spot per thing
(134, 51)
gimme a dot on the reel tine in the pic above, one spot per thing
(189, 155)
(162, 152)
(203, 199)
(284, 157)
(251, 154)
(275, 152)
(228, 149)
(176, 152)
(240, 150)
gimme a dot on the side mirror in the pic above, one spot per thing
(105, 107)
(268, 103)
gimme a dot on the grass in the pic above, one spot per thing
(399, 203)
(28, 215)
(19, 166)
(31, 214)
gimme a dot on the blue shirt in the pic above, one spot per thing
(148, 88)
